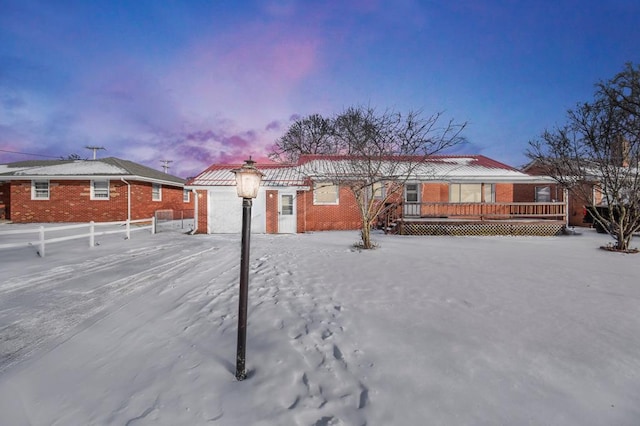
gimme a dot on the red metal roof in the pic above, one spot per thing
(274, 175)
(452, 168)
(478, 160)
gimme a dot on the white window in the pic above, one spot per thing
(39, 189)
(185, 195)
(286, 204)
(156, 192)
(99, 189)
(543, 194)
(325, 193)
(471, 193)
(412, 193)
(378, 190)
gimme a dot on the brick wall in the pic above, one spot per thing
(70, 201)
(4, 199)
(504, 193)
(142, 206)
(576, 212)
(344, 216)
(301, 210)
(272, 212)
(435, 192)
(523, 193)
(203, 211)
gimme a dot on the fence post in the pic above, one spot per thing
(153, 224)
(41, 241)
(91, 234)
(128, 229)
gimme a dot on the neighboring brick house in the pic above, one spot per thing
(102, 190)
(447, 186)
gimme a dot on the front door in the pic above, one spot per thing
(287, 213)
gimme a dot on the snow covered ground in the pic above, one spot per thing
(421, 331)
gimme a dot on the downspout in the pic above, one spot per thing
(128, 198)
(195, 212)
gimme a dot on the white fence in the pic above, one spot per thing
(174, 220)
(91, 234)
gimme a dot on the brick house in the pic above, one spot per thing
(470, 188)
(101, 190)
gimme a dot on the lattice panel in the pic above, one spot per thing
(479, 229)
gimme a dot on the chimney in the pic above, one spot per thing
(620, 151)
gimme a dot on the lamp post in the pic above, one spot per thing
(247, 182)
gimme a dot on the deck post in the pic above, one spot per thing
(565, 197)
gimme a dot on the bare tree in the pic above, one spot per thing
(372, 154)
(595, 155)
(309, 135)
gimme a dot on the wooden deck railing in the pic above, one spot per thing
(388, 216)
(482, 211)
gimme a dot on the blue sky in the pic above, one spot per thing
(204, 82)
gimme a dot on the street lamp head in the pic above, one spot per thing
(248, 179)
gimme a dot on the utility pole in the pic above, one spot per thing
(165, 165)
(95, 149)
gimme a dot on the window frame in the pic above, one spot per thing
(536, 193)
(287, 209)
(407, 192)
(156, 191)
(186, 195)
(319, 185)
(34, 190)
(487, 192)
(101, 190)
(378, 190)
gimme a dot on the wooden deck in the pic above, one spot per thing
(543, 219)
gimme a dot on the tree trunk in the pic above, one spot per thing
(622, 239)
(365, 233)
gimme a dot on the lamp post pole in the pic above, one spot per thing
(241, 373)
(247, 183)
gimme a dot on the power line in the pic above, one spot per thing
(27, 153)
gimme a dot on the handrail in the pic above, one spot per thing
(389, 215)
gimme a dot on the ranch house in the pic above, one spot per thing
(101, 190)
(445, 195)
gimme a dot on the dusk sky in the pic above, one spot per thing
(203, 82)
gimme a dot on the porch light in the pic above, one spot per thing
(247, 179)
(247, 183)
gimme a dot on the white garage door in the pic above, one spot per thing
(225, 211)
